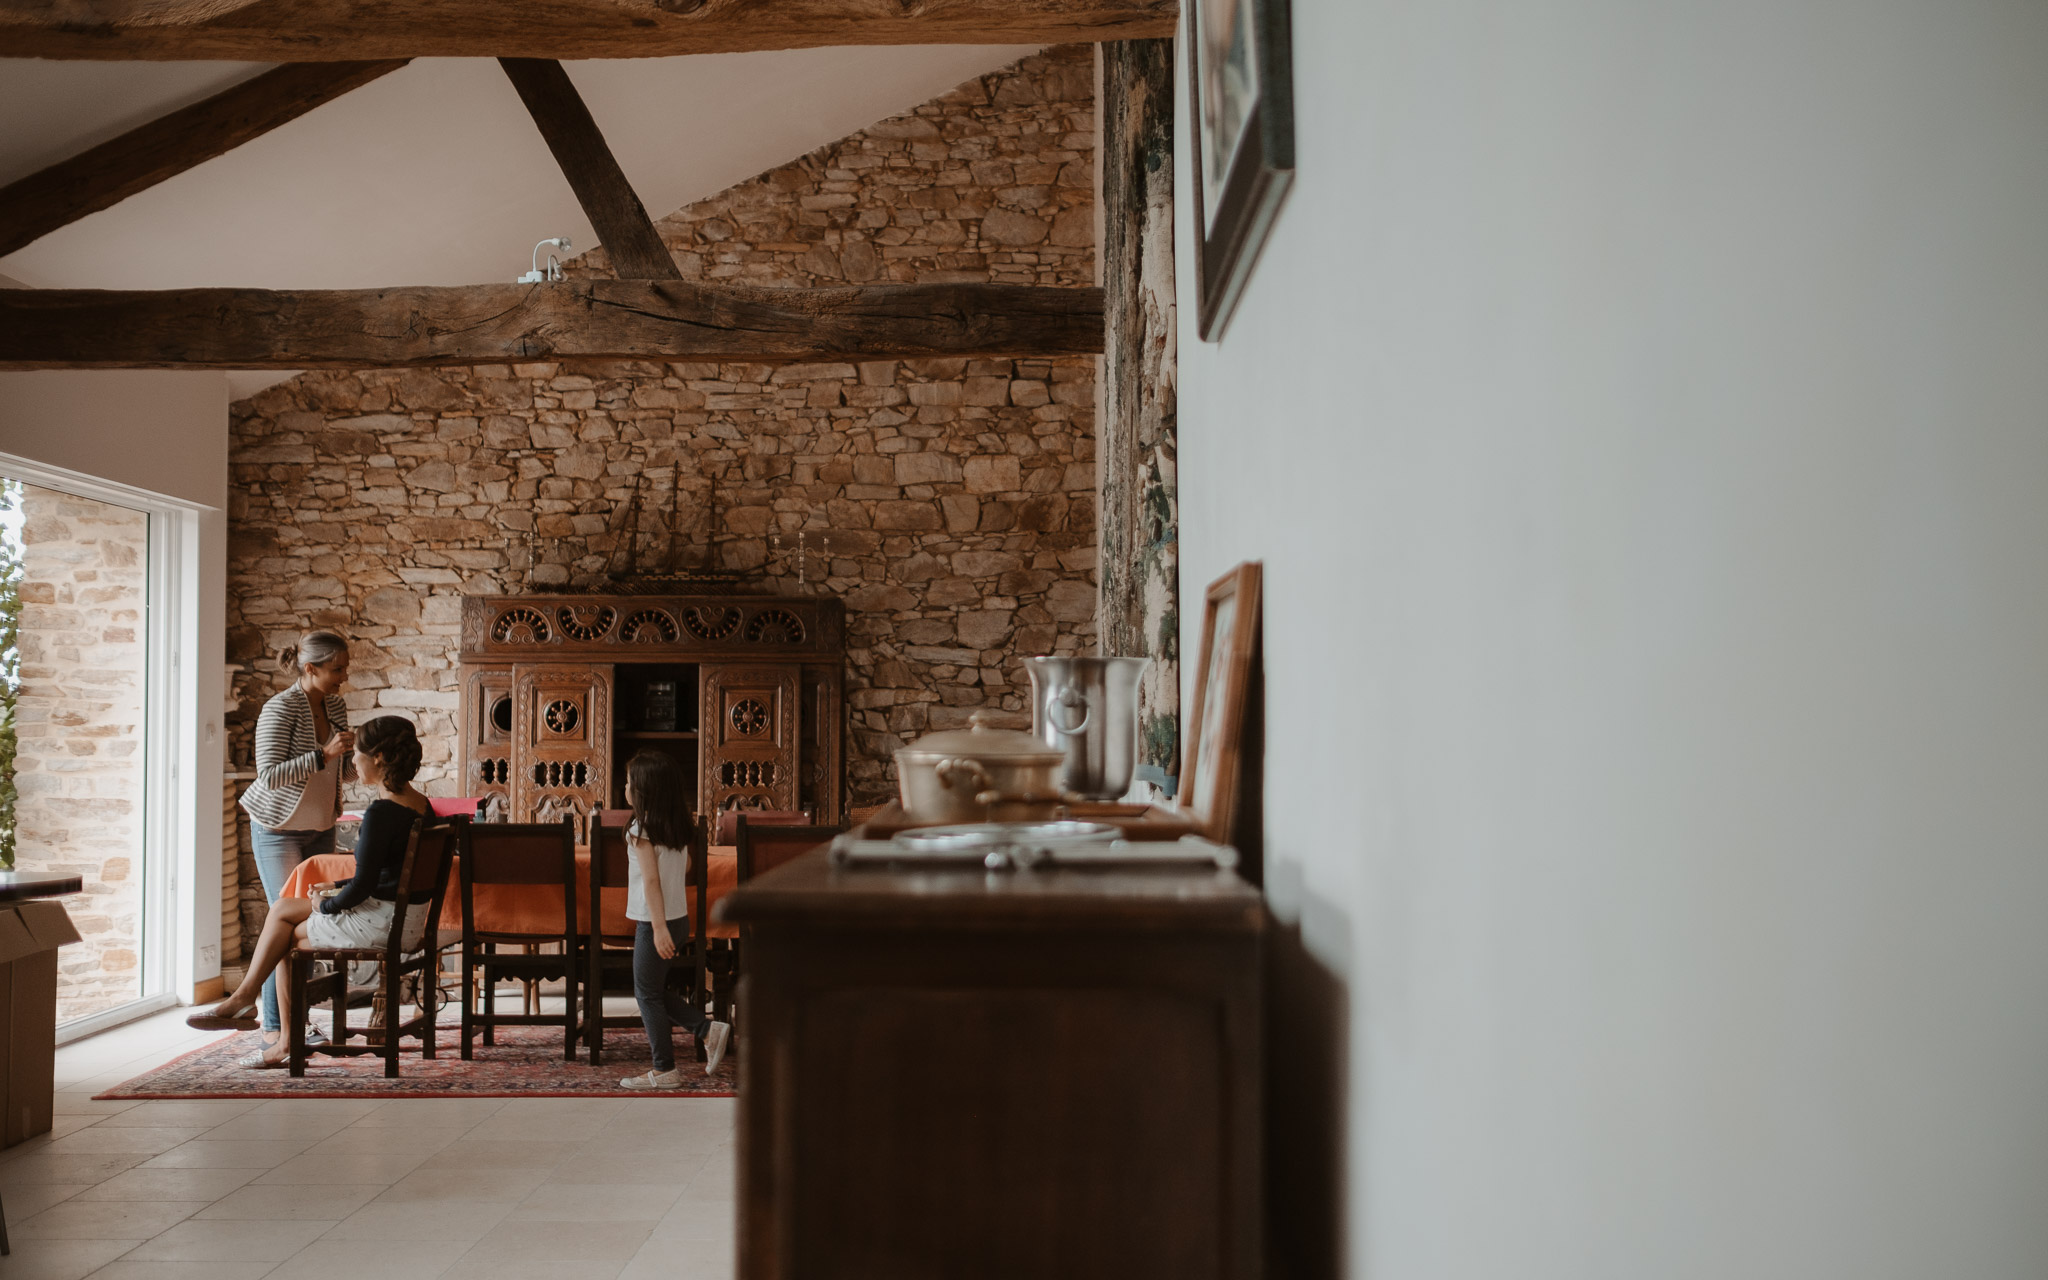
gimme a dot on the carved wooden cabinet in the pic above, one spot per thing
(745, 692)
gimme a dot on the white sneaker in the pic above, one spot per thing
(715, 1039)
(654, 1081)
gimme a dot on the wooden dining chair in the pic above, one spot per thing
(422, 878)
(608, 955)
(761, 846)
(450, 940)
(765, 846)
(538, 857)
(727, 830)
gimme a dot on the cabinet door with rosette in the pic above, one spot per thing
(749, 746)
(487, 739)
(561, 739)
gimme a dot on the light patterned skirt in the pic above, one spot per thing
(365, 925)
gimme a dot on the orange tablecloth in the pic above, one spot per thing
(527, 908)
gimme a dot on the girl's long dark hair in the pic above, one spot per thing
(661, 802)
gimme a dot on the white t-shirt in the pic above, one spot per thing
(674, 867)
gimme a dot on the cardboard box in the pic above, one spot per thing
(30, 933)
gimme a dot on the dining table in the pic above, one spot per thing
(525, 908)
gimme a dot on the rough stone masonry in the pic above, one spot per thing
(950, 502)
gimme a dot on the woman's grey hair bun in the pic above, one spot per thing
(315, 648)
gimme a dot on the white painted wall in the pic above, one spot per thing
(1642, 414)
(161, 434)
(160, 431)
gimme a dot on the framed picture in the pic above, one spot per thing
(1241, 95)
(1215, 739)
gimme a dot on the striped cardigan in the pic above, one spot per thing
(287, 755)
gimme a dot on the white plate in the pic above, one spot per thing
(971, 836)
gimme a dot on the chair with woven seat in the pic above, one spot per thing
(610, 955)
(533, 856)
(422, 878)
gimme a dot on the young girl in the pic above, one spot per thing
(656, 874)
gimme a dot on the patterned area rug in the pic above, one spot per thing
(525, 1063)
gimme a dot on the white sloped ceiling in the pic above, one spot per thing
(433, 174)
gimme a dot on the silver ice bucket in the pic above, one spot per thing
(1088, 709)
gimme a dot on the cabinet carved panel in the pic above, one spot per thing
(685, 628)
(750, 753)
(745, 692)
(487, 739)
(561, 736)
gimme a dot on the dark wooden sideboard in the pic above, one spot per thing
(964, 1073)
(745, 692)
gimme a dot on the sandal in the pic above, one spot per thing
(211, 1021)
(259, 1061)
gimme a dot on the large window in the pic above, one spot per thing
(82, 592)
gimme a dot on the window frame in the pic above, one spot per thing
(169, 861)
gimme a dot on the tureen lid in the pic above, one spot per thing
(982, 739)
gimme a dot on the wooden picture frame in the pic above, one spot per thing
(1241, 102)
(1213, 751)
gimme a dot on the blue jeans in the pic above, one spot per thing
(660, 1007)
(277, 853)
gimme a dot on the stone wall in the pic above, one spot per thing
(950, 502)
(80, 769)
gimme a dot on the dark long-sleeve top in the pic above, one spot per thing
(380, 856)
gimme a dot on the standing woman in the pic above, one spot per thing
(303, 747)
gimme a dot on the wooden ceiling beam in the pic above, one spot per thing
(504, 323)
(347, 30)
(614, 209)
(34, 206)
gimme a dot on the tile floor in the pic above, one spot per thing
(567, 1188)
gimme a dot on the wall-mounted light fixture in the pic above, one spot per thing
(553, 271)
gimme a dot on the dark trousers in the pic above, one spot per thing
(660, 1007)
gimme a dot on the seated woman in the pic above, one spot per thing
(358, 913)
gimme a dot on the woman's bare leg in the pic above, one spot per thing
(276, 1051)
(279, 928)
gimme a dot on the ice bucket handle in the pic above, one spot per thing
(1063, 700)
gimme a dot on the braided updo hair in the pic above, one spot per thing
(396, 746)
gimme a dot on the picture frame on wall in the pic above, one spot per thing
(1210, 772)
(1241, 100)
